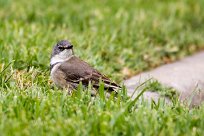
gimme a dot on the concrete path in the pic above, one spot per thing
(186, 76)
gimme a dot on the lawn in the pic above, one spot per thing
(120, 39)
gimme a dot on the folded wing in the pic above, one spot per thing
(78, 71)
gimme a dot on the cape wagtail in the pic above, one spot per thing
(67, 70)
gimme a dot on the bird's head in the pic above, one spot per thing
(61, 51)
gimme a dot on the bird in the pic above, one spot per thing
(68, 71)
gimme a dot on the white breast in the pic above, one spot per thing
(54, 69)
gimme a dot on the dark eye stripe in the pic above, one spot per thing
(61, 47)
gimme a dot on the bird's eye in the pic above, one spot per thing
(61, 48)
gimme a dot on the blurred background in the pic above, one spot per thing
(119, 38)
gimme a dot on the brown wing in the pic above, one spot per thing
(79, 71)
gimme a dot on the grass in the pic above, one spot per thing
(120, 39)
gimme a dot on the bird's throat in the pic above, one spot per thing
(62, 56)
